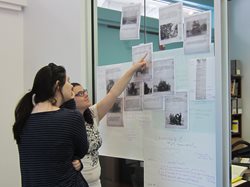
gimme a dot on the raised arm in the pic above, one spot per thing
(107, 102)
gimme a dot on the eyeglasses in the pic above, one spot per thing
(81, 93)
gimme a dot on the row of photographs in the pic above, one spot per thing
(193, 30)
(175, 107)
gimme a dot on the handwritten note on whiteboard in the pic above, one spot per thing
(178, 159)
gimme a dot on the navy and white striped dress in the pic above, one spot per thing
(49, 143)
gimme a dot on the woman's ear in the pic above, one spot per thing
(57, 85)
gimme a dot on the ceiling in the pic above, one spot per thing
(152, 6)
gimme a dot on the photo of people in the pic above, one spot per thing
(117, 107)
(170, 24)
(196, 28)
(115, 114)
(168, 31)
(148, 87)
(112, 74)
(175, 119)
(162, 86)
(133, 89)
(176, 110)
(133, 99)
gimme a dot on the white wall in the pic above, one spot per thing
(11, 76)
(43, 32)
(54, 31)
(239, 48)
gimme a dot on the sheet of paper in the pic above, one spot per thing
(124, 127)
(197, 33)
(125, 142)
(130, 22)
(180, 67)
(138, 52)
(163, 76)
(115, 114)
(176, 110)
(202, 116)
(133, 97)
(202, 78)
(170, 24)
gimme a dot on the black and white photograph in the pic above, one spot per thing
(117, 107)
(115, 115)
(170, 24)
(147, 87)
(176, 110)
(196, 27)
(112, 75)
(151, 101)
(133, 89)
(168, 31)
(129, 20)
(163, 81)
(162, 86)
(133, 97)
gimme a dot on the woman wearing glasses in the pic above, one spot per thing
(93, 114)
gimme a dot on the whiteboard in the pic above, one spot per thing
(172, 156)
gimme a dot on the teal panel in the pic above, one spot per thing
(112, 50)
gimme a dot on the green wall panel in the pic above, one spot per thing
(112, 50)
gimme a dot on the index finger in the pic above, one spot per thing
(144, 56)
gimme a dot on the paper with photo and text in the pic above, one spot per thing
(139, 52)
(170, 24)
(197, 33)
(130, 22)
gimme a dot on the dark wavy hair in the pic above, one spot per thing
(87, 114)
(44, 88)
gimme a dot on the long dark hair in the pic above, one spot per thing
(87, 114)
(43, 89)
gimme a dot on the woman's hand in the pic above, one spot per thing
(141, 64)
(77, 165)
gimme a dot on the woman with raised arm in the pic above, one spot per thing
(93, 114)
(50, 139)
